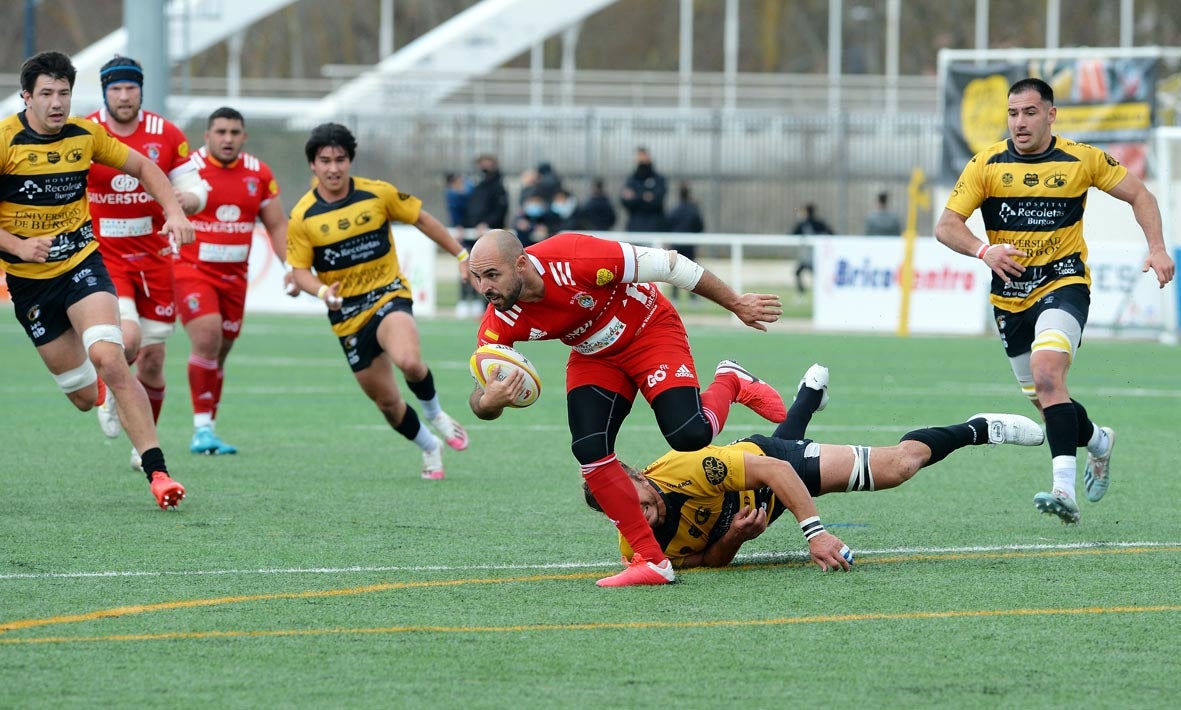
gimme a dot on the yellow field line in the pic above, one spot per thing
(717, 623)
(216, 601)
(388, 586)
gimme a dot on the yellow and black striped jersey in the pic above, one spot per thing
(1036, 203)
(43, 189)
(702, 491)
(350, 241)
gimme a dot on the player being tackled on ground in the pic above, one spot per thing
(703, 505)
(625, 338)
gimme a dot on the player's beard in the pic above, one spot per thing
(124, 115)
(508, 297)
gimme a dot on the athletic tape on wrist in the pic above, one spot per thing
(811, 527)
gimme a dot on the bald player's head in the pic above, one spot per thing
(497, 245)
(498, 264)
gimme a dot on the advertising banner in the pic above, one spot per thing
(1107, 102)
(858, 288)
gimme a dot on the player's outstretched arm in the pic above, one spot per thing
(825, 548)
(157, 185)
(753, 309)
(1147, 212)
(437, 233)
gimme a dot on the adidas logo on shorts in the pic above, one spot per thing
(683, 371)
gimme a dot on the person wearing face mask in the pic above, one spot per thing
(569, 214)
(643, 196)
(487, 208)
(534, 222)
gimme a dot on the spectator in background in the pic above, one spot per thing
(487, 208)
(686, 218)
(548, 182)
(455, 191)
(487, 203)
(643, 196)
(808, 224)
(535, 221)
(529, 177)
(882, 222)
(598, 213)
(568, 215)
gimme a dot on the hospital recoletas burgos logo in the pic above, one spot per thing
(1006, 212)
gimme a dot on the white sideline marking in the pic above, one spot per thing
(939, 390)
(753, 557)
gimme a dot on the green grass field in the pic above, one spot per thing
(316, 569)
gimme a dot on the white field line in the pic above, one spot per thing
(936, 390)
(741, 559)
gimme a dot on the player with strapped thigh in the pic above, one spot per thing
(1031, 191)
(626, 338)
(211, 273)
(60, 288)
(341, 230)
(127, 224)
(704, 505)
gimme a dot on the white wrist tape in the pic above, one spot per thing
(190, 181)
(653, 265)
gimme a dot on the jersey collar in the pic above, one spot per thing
(1031, 157)
(209, 158)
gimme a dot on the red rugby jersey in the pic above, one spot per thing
(590, 302)
(225, 228)
(127, 220)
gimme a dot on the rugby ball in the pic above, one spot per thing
(486, 357)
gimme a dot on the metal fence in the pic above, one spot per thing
(749, 170)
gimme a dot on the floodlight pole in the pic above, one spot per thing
(147, 43)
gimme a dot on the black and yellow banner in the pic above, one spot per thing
(1110, 103)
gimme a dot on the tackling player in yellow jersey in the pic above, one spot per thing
(340, 248)
(703, 505)
(1031, 191)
